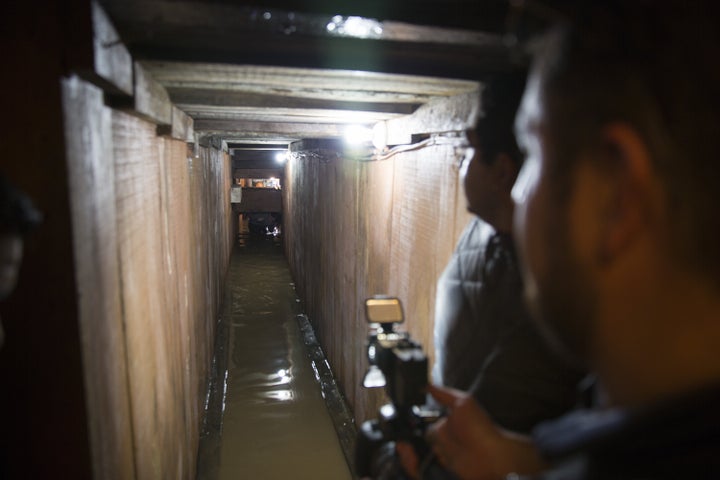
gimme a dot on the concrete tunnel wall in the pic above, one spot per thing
(355, 229)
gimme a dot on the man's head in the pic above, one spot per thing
(621, 125)
(493, 161)
(17, 217)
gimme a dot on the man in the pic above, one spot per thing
(484, 338)
(618, 230)
(485, 341)
(17, 217)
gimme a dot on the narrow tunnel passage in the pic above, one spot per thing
(131, 125)
(274, 422)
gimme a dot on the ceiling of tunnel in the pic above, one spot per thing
(272, 72)
(263, 104)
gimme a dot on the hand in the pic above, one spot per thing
(408, 459)
(469, 444)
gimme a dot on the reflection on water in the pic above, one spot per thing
(282, 395)
(273, 405)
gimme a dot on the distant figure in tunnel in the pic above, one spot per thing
(17, 217)
(484, 338)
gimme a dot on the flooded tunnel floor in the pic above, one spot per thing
(275, 423)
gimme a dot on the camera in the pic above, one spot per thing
(398, 364)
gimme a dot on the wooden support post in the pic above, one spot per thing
(98, 54)
(151, 98)
(180, 128)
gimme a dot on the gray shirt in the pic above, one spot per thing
(485, 341)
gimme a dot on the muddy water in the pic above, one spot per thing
(275, 424)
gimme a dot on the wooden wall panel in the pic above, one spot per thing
(375, 209)
(90, 165)
(174, 240)
(425, 224)
(145, 309)
(182, 365)
(354, 229)
(119, 251)
(194, 280)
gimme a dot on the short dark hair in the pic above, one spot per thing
(17, 212)
(654, 66)
(499, 102)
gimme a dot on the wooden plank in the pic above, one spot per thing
(468, 14)
(92, 182)
(223, 33)
(284, 114)
(173, 239)
(112, 61)
(196, 232)
(306, 83)
(181, 127)
(151, 98)
(259, 138)
(354, 229)
(269, 129)
(209, 96)
(214, 141)
(139, 224)
(461, 21)
(424, 215)
(93, 48)
(449, 114)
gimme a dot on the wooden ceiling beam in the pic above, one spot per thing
(223, 33)
(242, 129)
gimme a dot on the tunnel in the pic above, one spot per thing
(137, 128)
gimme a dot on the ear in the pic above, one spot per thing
(629, 209)
(505, 171)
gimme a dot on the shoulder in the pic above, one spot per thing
(475, 237)
(677, 438)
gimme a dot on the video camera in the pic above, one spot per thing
(399, 364)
